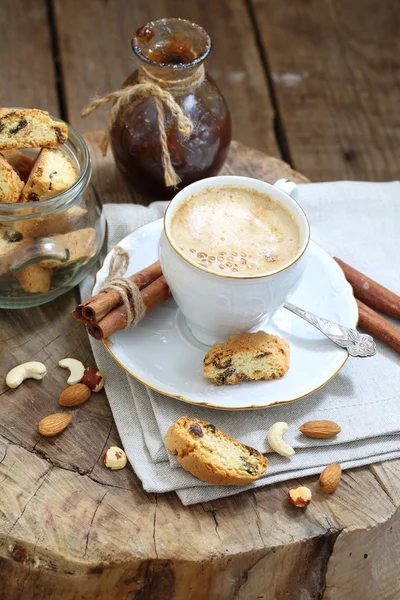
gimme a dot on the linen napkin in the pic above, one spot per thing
(353, 220)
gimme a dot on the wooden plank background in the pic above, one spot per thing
(95, 43)
(335, 67)
(313, 81)
(27, 67)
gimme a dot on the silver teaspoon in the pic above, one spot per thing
(356, 344)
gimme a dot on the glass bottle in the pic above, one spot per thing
(171, 50)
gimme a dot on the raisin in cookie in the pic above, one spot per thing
(30, 128)
(211, 455)
(10, 183)
(52, 173)
(10, 243)
(246, 357)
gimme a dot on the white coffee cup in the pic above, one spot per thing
(217, 305)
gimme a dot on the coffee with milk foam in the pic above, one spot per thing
(235, 231)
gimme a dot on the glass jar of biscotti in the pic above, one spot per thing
(47, 246)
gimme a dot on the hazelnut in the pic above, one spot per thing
(300, 496)
(93, 378)
(115, 458)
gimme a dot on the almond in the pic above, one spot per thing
(74, 395)
(329, 478)
(320, 429)
(54, 424)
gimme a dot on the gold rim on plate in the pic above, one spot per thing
(207, 404)
(107, 343)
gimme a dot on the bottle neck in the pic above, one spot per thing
(177, 83)
(164, 75)
(171, 50)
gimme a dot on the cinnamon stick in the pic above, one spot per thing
(152, 295)
(373, 322)
(77, 315)
(370, 292)
(96, 308)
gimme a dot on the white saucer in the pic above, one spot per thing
(162, 353)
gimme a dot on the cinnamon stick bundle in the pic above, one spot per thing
(152, 295)
(370, 292)
(105, 313)
(96, 308)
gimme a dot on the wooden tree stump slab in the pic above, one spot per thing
(72, 530)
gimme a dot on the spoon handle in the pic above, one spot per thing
(356, 344)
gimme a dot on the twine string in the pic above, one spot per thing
(163, 92)
(118, 264)
(128, 290)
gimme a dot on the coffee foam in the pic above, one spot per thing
(235, 231)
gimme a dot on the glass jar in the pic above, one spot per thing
(171, 51)
(47, 247)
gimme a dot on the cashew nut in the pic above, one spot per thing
(76, 369)
(275, 439)
(29, 370)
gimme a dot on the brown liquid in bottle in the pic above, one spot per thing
(135, 136)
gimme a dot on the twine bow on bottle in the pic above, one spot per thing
(163, 92)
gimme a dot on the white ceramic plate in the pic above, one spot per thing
(161, 352)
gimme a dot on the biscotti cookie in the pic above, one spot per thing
(20, 162)
(211, 455)
(51, 224)
(30, 128)
(34, 279)
(247, 356)
(52, 173)
(10, 243)
(81, 245)
(10, 183)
